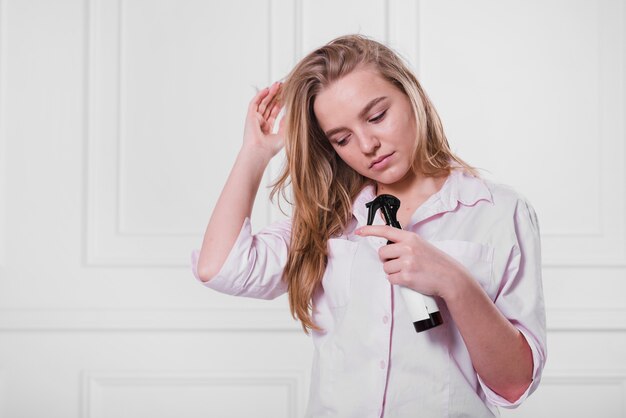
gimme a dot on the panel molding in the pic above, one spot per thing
(565, 380)
(571, 377)
(105, 244)
(573, 320)
(242, 320)
(217, 319)
(286, 37)
(615, 377)
(603, 241)
(606, 246)
(93, 382)
(4, 394)
(3, 134)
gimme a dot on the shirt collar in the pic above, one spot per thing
(459, 188)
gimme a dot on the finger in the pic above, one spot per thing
(392, 251)
(272, 118)
(270, 107)
(256, 100)
(270, 125)
(398, 278)
(383, 231)
(274, 112)
(392, 266)
(267, 99)
(260, 123)
(274, 102)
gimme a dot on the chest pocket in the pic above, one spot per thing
(476, 257)
(338, 275)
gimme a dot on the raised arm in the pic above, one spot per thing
(235, 203)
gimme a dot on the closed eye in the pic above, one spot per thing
(377, 119)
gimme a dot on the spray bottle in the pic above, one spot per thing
(423, 309)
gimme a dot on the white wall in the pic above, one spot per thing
(119, 121)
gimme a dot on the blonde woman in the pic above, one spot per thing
(358, 125)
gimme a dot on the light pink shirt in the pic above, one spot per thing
(370, 361)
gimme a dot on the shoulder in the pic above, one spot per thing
(504, 195)
(510, 202)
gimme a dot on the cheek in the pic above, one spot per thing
(351, 160)
(394, 127)
(405, 134)
(345, 154)
(348, 158)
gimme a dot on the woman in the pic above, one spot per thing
(358, 125)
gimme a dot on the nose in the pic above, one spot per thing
(368, 143)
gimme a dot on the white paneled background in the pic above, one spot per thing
(120, 119)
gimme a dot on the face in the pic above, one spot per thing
(370, 124)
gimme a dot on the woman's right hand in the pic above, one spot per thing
(262, 112)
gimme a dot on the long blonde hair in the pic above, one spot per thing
(323, 186)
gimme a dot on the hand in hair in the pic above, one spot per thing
(262, 112)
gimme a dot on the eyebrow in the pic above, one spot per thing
(362, 114)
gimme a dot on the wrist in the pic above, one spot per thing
(457, 288)
(258, 154)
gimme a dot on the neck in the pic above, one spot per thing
(412, 192)
(412, 185)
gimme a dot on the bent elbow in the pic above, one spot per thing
(514, 393)
(206, 273)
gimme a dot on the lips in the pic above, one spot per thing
(376, 161)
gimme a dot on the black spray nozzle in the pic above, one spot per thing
(389, 205)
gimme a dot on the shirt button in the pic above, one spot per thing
(382, 364)
(385, 319)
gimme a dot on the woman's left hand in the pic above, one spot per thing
(413, 262)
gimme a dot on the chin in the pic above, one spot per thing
(391, 176)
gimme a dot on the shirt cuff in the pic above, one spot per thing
(498, 400)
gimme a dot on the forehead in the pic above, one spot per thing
(346, 97)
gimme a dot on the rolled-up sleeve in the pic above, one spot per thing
(254, 266)
(520, 296)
